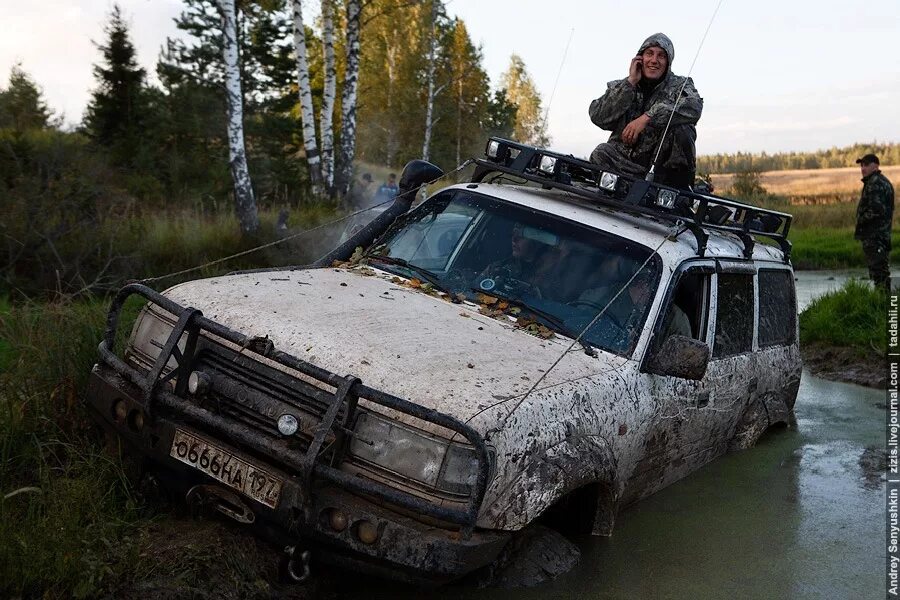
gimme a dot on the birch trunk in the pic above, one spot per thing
(245, 203)
(307, 116)
(429, 100)
(326, 119)
(348, 98)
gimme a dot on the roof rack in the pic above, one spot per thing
(698, 212)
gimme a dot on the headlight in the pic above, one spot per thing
(414, 454)
(148, 338)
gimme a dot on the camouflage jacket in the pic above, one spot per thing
(876, 207)
(622, 103)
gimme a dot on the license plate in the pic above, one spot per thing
(225, 466)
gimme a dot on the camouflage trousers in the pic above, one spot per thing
(677, 159)
(878, 253)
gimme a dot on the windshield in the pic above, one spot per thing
(558, 272)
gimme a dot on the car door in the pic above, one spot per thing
(733, 372)
(674, 444)
(778, 355)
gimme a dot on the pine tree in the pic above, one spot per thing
(22, 105)
(117, 113)
(521, 91)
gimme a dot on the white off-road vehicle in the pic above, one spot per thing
(546, 340)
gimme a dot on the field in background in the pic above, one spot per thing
(823, 203)
(813, 186)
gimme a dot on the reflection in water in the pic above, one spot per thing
(794, 517)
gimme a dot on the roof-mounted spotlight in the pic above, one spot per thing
(666, 198)
(492, 150)
(608, 181)
(547, 165)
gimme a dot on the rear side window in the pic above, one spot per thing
(734, 315)
(777, 308)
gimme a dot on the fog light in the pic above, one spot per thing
(608, 181)
(337, 519)
(198, 383)
(548, 165)
(287, 424)
(136, 420)
(666, 198)
(493, 149)
(120, 410)
(367, 532)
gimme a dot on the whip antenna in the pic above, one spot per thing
(652, 170)
(553, 92)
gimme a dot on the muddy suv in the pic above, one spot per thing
(548, 340)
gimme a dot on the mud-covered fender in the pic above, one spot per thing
(544, 476)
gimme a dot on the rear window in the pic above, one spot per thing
(777, 308)
(734, 315)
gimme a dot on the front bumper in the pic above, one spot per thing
(415, 538)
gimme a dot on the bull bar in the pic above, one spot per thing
(348, 390)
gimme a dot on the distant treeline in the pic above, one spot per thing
(740, 162)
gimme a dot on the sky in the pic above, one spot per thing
(775, 75)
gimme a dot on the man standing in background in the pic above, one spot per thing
(873, 219)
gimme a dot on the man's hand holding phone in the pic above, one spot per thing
(635, 70)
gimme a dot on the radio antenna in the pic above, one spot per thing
(553, 92)
(651, 172)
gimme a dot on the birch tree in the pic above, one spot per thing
(326, 125)
(245, 203)
(349, 97)
(307, 116)
(430, 94)
(521, 91)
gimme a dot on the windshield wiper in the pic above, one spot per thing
(425, 274)
(550, 319)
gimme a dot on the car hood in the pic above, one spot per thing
(396, 339)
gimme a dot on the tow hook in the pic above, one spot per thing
(225, 501)
(295, 564)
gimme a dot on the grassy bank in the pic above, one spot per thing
(66, 511)
(851, 317)
(71, 524)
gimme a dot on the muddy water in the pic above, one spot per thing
(799, 516)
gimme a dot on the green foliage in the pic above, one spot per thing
(746, 186)
(500, 116)
(117, 116)
(522, 92)
(66, 511)
(22, 105)
(888, 154)
(853, 316)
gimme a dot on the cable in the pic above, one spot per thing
(680, 91)
(292, 236)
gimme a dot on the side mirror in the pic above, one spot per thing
(415, 174)
(681, 356)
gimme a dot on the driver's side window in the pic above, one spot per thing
(688, 310)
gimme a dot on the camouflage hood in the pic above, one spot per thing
(661, 40)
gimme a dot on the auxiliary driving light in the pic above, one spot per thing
(287, 424)
(337, 519)
(120, 410)
(548, 165)
(608, 181)
(367, 532)
(198, 383)
(666, 198)
(493, 149)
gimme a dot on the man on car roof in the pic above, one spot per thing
(637, 108)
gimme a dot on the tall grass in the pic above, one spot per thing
(854, 316)
(66, 511)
